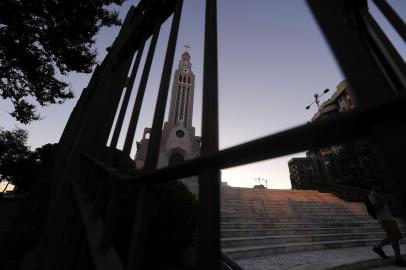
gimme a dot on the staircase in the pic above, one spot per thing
(261, 222)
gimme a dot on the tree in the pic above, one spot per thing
(172, 223)
(18, 164)
(44, 38)
(13, 150)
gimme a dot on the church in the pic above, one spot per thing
(178, 142)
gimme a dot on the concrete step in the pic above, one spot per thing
(296, 225)
(265, 250)
(290, 215)
(265, 213)
(261, 215)
(280, 199)
(290, 209)
(300, 231)
(284, 211)
(265, 222)
(289, 198)
(302, 205)
(284, 239)
(304, 219)
(315, 201)
(273, 195)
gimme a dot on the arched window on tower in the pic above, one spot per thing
(184, 79)
(188, 80)
(180, 78)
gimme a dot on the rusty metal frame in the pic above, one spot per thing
(86, 180)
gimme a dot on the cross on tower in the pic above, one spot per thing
(186, 46)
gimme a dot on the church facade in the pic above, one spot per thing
(179, 142)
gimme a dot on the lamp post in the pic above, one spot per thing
(260, 183)
(259, 180)
(317, 97)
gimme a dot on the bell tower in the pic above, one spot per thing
(178, 142)
(181, 105)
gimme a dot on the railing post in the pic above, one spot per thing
(138, 237)
(209, 179)
(356, 61)
(126, 99)
(129, 138)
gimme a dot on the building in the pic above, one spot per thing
(306, 172)
(179, 142)
(350, 163)
(320, 164)
(341, 100)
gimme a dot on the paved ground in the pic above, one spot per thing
(390, 267)
(337, 259)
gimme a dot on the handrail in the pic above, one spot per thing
(349, 193)
(354, 189)
(229, 263)
(342, 127)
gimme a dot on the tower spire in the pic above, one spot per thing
(181, 106)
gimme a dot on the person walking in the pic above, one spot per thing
(388, 223)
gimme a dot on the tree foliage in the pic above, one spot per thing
(18, 164)
(41, 38)
(172, 224)
(13, 151)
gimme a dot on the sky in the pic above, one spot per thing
(272, 59)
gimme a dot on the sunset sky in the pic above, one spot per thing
(272, 59)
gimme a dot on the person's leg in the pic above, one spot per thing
(396, 249)
(399, 260)
(383, 243)
(378, 248)
(394, 236)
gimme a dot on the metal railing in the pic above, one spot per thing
(79, 228)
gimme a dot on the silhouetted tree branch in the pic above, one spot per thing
(38, 40)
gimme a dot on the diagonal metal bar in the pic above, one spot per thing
(156, 130)
(391, 62)
(326, 132)
(127, 96)
(392, 17)
(105, 259)
(356, 61)
(129, 139)
(137, 244)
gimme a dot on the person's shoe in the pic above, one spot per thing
(400, 262)
(380, 252)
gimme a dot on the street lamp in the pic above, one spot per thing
(317, 101)
(259, 181)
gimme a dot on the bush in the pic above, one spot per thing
(172, 224)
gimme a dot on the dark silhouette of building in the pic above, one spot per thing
(305, 172)
(351, 163)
